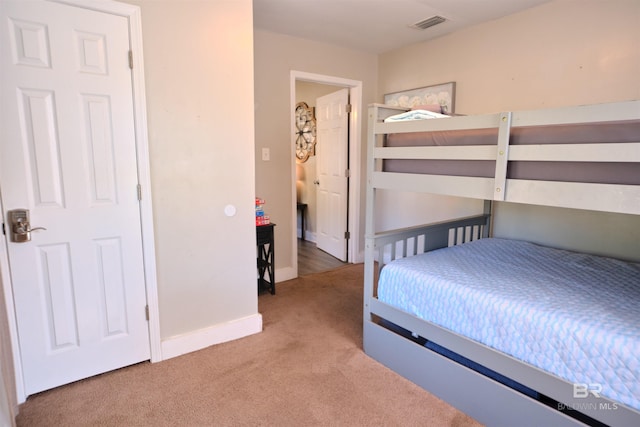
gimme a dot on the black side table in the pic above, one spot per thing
(302, 208)
(266, 263)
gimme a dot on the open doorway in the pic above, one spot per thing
(321, 181)
(307, 88)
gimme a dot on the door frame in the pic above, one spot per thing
(132, 13)
(355, 156)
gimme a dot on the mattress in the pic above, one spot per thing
(573, 315)
(589, 133)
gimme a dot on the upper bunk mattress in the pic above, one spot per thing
(588, 133)
(570, 314)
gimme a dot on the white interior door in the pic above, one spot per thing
(68, 154)
(332, 147)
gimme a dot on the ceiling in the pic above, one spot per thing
(376, 26)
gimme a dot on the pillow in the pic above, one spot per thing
(434, 108)
(415, 115)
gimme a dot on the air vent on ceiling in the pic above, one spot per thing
(429, 22)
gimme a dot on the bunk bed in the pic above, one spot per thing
(447, 344)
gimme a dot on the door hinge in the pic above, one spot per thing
(139, 190)
(131, 59)
(3, 230)
(347, 173)
(146, 312)
(347, 108)
(347, 235)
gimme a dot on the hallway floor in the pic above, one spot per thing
(313, 260)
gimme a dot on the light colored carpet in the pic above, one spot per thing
(306, 368)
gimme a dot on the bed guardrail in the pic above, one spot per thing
(621, 198)
(411, 241)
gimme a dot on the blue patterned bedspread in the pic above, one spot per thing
(574, 315)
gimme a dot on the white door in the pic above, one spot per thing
(332, 125)
(68, 155)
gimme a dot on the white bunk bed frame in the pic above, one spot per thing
(481, 397)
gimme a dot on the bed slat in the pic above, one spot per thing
(615, 111)
(483, 121)
(461, 186)
(475, 152)
(597, 197)
(613, 152)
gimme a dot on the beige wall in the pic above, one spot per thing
(275, 57)
(566, 52)
(199, 81)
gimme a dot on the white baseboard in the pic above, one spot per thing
(309, 236)
(217, 334)
(359, 258)
(283, 274)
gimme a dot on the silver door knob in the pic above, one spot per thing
(20, 227)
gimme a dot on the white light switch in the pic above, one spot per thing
(266, 154)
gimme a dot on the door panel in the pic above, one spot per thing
(97, 113)
(57, 297)
(68, 154)
(332, 164)
(40, 143)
